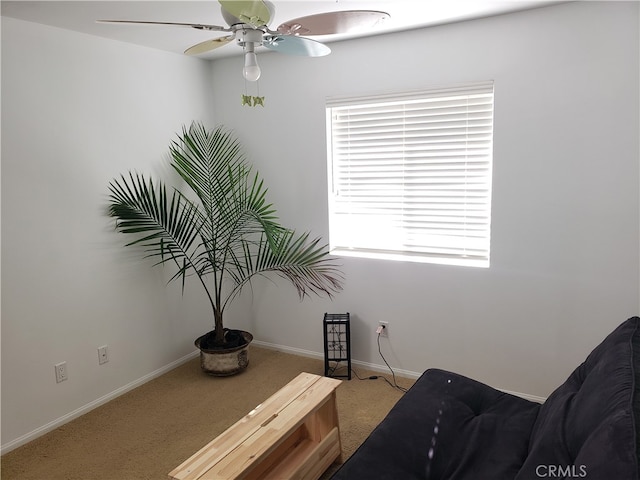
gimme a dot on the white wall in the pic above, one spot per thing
(565, 267)
(76, 112)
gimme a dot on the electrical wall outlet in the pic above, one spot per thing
(385, 328)
(61, 372)
(103, 354)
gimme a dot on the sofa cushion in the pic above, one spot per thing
(446, 426)
(587, 428)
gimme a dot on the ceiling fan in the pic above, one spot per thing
(248, 24)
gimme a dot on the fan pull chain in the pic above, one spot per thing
(258, 100)
(251, 101)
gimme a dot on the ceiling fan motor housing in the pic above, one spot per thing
(247, 35)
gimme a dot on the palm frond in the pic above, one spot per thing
(164, 226)
(303, 262)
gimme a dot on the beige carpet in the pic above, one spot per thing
(146, 433)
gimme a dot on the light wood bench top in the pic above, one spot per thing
(294, 434)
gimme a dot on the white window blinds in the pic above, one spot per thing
(410, 175)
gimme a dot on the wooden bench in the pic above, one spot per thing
(292, 435)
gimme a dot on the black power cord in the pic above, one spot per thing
(393, 384)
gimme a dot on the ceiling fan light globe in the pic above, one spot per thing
(251, 71)
(251, 74)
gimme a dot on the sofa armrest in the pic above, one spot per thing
(588, 426)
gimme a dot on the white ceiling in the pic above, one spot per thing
(80, 16)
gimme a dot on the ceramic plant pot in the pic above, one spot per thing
(222, 362)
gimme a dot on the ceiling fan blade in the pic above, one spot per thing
(253, 12)
(334, 22)
(293, 45)
(208, 45)
(197, 26)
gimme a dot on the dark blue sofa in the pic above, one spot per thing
(450, 427)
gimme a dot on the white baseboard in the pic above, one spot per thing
(377, 367)
(136, 383)
(26, 438)
(308, 353)
(526, 396)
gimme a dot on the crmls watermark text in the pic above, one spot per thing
(560, 471)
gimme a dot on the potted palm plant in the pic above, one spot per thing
(220, 229)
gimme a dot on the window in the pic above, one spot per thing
(410, 175)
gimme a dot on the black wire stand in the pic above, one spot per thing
(337, 344)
